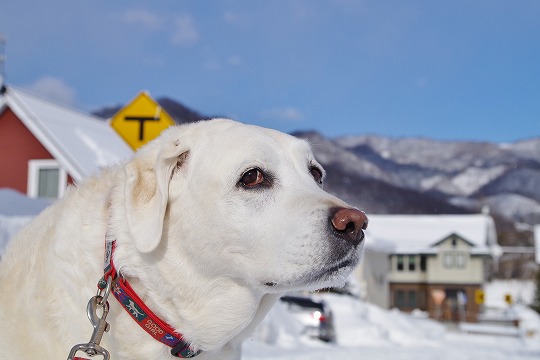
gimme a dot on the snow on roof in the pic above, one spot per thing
(415, 234)
(81, 143)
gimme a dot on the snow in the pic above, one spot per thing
(522, 292)
(363, 330)
(16, 210)
(463, 183)
(514, 206)
(473, 178)
(81, 143)
(479, 229)
(9, 226)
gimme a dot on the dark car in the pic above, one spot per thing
(315, 316)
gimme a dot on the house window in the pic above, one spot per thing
(46, 179)
(412, 262)
(423, 263)
(411, 299)
(461, 261)
(48, 183)
(400, 262)
(399, 300)
(406, 299)
(448, 260)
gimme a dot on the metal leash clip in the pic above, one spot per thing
(92, 347)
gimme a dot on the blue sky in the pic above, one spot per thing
(451, 70)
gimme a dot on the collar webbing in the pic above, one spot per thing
(137, 309)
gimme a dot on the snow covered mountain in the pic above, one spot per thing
(505, 177)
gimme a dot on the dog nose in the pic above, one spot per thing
(349, 223)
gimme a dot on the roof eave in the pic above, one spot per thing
(32, 124)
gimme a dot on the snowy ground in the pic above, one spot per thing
(16, 210)
(364, 331)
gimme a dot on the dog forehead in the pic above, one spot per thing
(228, 138)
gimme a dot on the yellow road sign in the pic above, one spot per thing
(479, 296)
(141, 120)
(508, 299)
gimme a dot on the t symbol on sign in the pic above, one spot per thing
(141, 120)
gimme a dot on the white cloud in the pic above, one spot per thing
(185, 31)
(54, 89)
(143, 18)
(283, 114)
(181, 27)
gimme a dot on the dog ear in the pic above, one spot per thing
(147, 191)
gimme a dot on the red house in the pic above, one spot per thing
(44, 146)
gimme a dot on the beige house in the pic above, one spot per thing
(435, 263)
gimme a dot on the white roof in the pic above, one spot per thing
(417, 234)
(81, 143)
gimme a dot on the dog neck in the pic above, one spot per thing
(141, 313)
(213, 318)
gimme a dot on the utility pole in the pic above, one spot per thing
(2, 63)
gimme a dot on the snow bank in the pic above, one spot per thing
(9, 226)
(365, 331)
(16, 210)
(522, 292)
(13, 203)
(360, 323)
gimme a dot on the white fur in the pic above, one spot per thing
(202, 251)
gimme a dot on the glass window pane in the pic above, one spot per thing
(412, 262)
(460, 260)
(400, 262)
(412, 299)
(399, 300)
(448, 260)
(48, 183)
(423, 263)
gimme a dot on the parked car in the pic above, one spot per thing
(315, 316)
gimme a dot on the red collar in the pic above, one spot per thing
(137, 309)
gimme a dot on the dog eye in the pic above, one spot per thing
(316, 173)
(252, 178)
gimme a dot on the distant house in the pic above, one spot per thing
(432, 263)
(46, 146)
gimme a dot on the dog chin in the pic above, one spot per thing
(332, 275)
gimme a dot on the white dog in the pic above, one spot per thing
(211, 222)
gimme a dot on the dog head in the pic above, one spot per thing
(223, 199)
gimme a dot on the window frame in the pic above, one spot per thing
(400, 263)
(449, 260)
(461, 260)
(412, 299)
(400, 299)
(423, 263)
(34, 166)
(411, 263)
